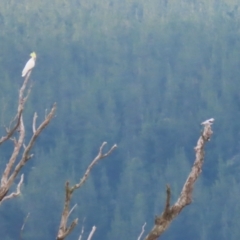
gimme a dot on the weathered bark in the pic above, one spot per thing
(10, 173)
(163, 221)
(63, 230)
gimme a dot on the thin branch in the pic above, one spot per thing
(82, 231)
(63, 231)
(167, 206)
(5, 185)
(46, 112)
(96, 159)
(17, 147)
(25, 155)
(14, 140)
(91, 233)
(18, 191)
(24, 223)
(34, 122)
(71, 210)
(21, 102)
(27, 95)
(163, 221)
(12, 169)
(6, 180)
(70, 228)
(12, 131)
(143, 229)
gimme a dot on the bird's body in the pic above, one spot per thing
(208, 122)
(30, 64)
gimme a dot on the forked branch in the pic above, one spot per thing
(26, 153)
(63, 229)
(163, 221)
(96, 159)
(21, 103)
(18, 191)
(10, 173)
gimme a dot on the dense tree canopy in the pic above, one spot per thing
(142, 74)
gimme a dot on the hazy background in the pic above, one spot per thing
(141, 74)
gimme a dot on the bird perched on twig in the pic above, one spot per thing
(30, 64)
(208, 122)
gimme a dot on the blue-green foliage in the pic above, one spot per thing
(142, 74)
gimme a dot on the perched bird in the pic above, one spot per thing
(208, 122)
(30, 64)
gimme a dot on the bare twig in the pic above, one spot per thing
(63, 229)
(34, 122)
(14, 140)
(143, 229)
(21, 102)
(96, 159)
(46, 112)
(18, 191)
(71, 210)
(163, 221)
(82, 231)
(91, 233)
(24, 223)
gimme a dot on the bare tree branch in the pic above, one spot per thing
(25, 155)
(91, 233)
(143, 229)
(17, 143)
(18, 191)
(163, 221)
(21, 103)
(17, 147)
(97, 158)
(63, 229)
(10, 173)
(69, 229)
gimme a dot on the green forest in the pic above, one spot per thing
(141, 74)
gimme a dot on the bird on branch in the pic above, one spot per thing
(30, 64)
(208, 122)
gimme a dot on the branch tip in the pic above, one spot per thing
(143, 229)
(91, 233)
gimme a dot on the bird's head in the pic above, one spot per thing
(33, 55)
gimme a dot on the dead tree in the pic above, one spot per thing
(163, 221)
(21, 155)
(21, 151)
(65, 230)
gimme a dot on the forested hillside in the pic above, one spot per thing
(141, 74)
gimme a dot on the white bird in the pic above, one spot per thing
(208, 122)
(30, 64)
